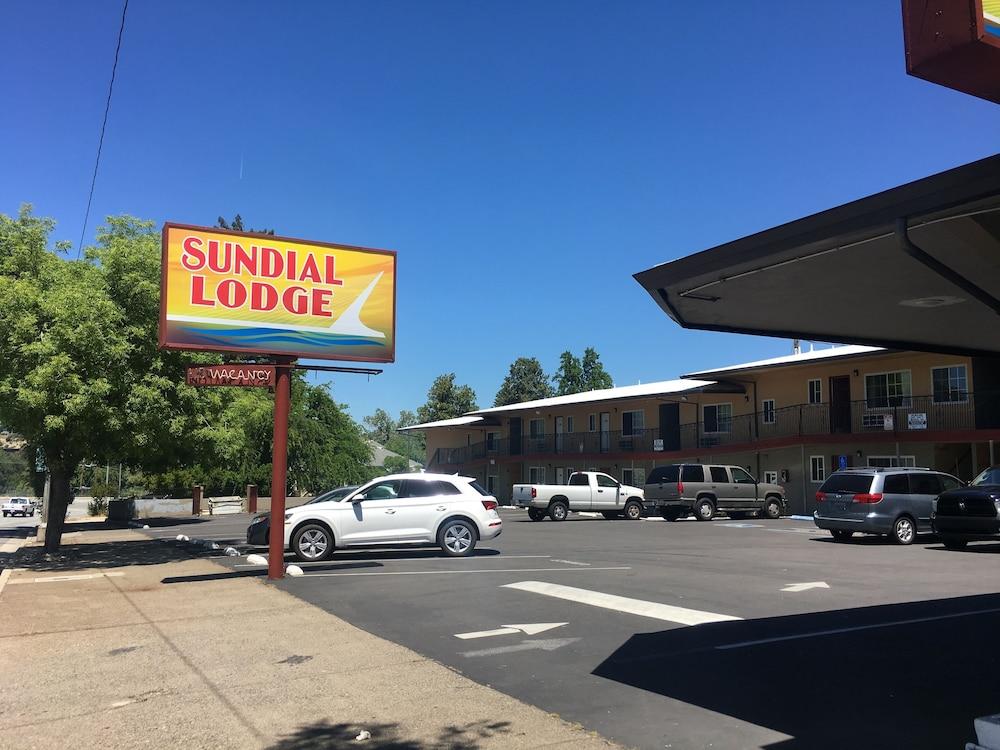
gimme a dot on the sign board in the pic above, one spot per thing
(252, 293)
(658, 444)
(243, 375)
(954, 43)
(917, 421)
(887, 422)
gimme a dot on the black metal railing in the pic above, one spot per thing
(900, 415)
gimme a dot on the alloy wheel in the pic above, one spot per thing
(458, 538)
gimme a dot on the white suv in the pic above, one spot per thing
(450, 511)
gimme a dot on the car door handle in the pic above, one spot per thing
(390, 511)
(441, 507)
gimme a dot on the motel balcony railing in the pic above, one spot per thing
(900, 415)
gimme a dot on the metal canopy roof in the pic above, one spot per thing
(914, 267)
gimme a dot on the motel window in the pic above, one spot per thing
(817, 468)
(536, 428)
(633, 423)
(491, 484)
(491, 441)
(886, 389)
(888, 462)
(569, 424)
(767, 410)
(536, 475)
(718, 418)
(592, 422)
(816, 391)
(771, 477)
(634, 477)
(951, 385)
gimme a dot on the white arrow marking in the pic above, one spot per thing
(546, 645)
(533, 628)
(806, 586)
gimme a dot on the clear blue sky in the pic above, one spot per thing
(524, 158)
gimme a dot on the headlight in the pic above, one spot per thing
(258, 519)
(288, 516)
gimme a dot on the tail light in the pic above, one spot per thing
(680, 488)
(490, 504)
(868, 497)
(534, 493)
(820, 497)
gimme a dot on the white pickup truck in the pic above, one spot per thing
(18, 506)
(586, 490)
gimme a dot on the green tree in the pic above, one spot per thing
(595, 377)
(396, 465)
(237, 225)
(569, 376)
(446, 400)
(380, 426)
(15, 472)
(526, 381)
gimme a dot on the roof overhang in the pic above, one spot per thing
(463, 422)
(914, 267)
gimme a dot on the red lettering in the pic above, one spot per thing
(245, 261)
(271, 263)
(198, 292)
(331, 272)
(310, 271)
(295, 299)
(193, 259)
(263, 296)
(291, 260)
(220, 259)
(232, 293)
(321, 301)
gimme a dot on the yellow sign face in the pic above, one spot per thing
(258, 294)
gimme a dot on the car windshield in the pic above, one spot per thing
(989, 476)
(338, 494)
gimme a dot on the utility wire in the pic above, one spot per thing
(104, 124)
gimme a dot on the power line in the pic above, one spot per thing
(104, 124)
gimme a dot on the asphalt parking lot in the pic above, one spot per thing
(729, 634)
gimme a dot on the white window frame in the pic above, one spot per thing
(770, 477)
(819, 390)
(592, 422)
(950, 367)
(570, 424)
(764, 411)
(531, 423)
(907, 399)
(642, 422)
(813, 472)
(718, 421)
(892, 462)
(539, 475)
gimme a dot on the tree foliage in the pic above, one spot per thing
(237, 225)
(569, 376)
(445, 400)
(595, 377)
(81, 377)
(384, 430)
(526, 381)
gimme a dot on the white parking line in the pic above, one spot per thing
(838, 631)
(654, 610)
(60, 579)
(454, 572)
(348, 558)
(571, 562)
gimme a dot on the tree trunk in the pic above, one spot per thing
(60, 480)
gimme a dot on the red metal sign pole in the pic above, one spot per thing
(279, 468)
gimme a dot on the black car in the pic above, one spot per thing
(969, 514)
(258, 532)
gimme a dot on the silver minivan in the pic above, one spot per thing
(894, 502)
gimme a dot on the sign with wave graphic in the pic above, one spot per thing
(247, 293)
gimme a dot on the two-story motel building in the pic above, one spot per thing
(791, 419)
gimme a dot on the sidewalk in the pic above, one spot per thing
(110, 647)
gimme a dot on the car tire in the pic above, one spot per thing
(704, 510)
(633, 510)
(536, 514)
(671, 514)
(955, 543)
(457, 538)
(772, 509)
(841, 535)
(904, 531)
(558, 511)
(610, 515)
(312, 542)
(5, 514)
(32, 514)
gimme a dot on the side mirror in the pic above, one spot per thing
(358, 498)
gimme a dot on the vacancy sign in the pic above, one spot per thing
(229, 291)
